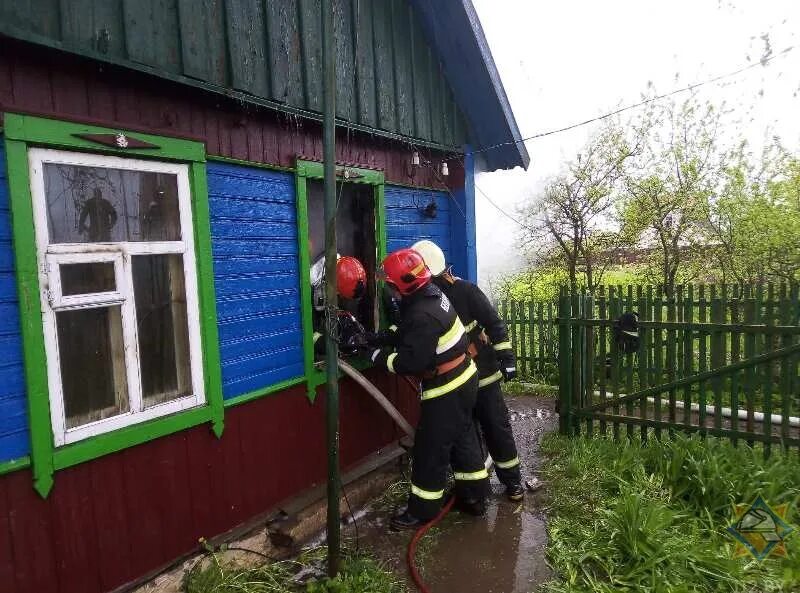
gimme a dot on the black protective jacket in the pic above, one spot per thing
(479, 316)
(430, 334)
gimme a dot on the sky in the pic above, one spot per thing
(567, 61)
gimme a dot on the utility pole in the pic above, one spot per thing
(331, 347)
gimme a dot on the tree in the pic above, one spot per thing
(755, 222)
(571, 224)
(668, 187)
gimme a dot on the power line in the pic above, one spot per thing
(691, 87)
(503, 212)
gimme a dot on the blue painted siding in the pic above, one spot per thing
(256, 276)
(14, 437)
(406, 224)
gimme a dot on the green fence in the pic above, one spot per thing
(717, 360)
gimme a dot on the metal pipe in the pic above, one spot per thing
(331, 347)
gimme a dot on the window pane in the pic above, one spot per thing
(87, 278)
(100, 205)
(92, 364)
(160, 295)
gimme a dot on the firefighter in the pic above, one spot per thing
(351, 283)
(491, 348)
(430, 343)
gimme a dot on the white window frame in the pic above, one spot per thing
(49, 257)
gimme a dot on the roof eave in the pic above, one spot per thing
(454, 31)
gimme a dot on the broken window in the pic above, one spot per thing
(355, 236)
(117, 271)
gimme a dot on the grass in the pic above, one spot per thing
(652, 517)
(525, 387)
(360, 573)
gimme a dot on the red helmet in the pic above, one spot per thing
(406, 270)
(351, 279)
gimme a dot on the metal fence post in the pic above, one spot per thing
(564, 364)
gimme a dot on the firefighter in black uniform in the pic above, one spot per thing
(430, 342)
(491, 348)
(351, 282)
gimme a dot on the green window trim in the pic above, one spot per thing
(305, 170)
(22, 131)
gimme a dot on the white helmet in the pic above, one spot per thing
(433, 256)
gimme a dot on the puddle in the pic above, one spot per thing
(504, 553)
(501, 553)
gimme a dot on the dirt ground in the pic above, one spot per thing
(501, 553)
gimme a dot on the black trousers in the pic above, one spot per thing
(446, 436)
(491, 413)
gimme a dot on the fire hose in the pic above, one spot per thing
(383, 401)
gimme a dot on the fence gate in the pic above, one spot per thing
(710, 360)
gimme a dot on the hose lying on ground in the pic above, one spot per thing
(412, 545)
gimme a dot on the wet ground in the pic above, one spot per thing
(501, 553)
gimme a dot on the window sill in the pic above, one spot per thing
(130, 436)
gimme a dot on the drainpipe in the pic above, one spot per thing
(331, 347)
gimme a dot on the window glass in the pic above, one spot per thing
(92, 364)
(160, 297)
(100, 205)
(87, 278)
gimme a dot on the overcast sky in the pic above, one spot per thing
(567, 61)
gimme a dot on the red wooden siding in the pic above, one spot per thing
(110, 520)
(43, 82)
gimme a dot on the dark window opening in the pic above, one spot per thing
(355, 236)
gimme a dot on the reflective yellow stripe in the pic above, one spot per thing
(317, 336)
(452, 384)
(390, 362)
(426, 494)
(490, 379)
(507, 464)
(392, 328)
(503, 346)
(470, 326)
(451, 338)
(478, 475)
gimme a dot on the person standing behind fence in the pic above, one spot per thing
(492, 351)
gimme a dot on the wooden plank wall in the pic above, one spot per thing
(270, 50)
(113, 519)
(39, 81)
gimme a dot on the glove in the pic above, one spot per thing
(379, 339)
(378, 357)
(508, 367)
(509, 373)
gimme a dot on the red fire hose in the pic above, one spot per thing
(412, 545)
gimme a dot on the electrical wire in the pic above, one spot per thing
(503, 212)
(691, 87)
(352, 517)
(611, 114)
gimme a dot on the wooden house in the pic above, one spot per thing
(160, 207)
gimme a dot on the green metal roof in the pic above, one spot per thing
(268, 52)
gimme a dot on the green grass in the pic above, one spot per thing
(652, 517)
(360, 573)
(525, 387)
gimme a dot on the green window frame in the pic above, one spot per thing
(23, 132)
(304, 171)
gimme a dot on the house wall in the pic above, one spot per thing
(110, 520)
